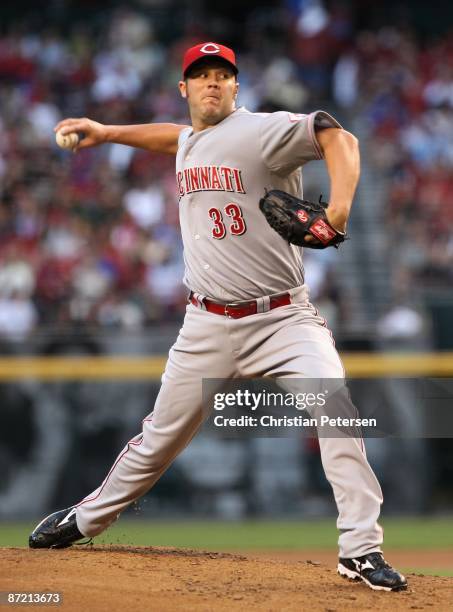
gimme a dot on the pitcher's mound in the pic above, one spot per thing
(128, 578)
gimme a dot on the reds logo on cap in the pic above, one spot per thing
(210, 48)
(200, 51)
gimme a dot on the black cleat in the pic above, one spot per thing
(374, 571)
(58, 530)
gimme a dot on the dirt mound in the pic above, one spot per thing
(114, 577)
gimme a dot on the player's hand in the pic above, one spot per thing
(93, 133)
(336, 219)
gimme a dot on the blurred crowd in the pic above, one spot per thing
(93, 238)
(407, 100)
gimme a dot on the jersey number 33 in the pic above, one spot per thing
(236, 224)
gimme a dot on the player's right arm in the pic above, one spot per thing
(155, 137)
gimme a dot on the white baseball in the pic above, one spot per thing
(67, 141)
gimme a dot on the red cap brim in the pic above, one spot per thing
(207, 50)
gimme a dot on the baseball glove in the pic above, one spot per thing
(295, 219)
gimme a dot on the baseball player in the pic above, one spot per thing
(248, 311)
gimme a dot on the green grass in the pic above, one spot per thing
(427, 571)
(410, 533)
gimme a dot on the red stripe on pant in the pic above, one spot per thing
(88, 499)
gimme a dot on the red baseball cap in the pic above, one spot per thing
(208, 49)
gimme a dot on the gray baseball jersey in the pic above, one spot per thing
(231, 253)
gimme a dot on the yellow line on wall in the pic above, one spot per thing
(81, 368)
(369, 365)
(358, 365)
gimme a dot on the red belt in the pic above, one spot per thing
(241, 309)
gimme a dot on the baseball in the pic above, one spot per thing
(67, 141)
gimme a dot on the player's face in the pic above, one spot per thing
(211, 90)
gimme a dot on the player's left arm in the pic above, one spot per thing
(341, 153)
